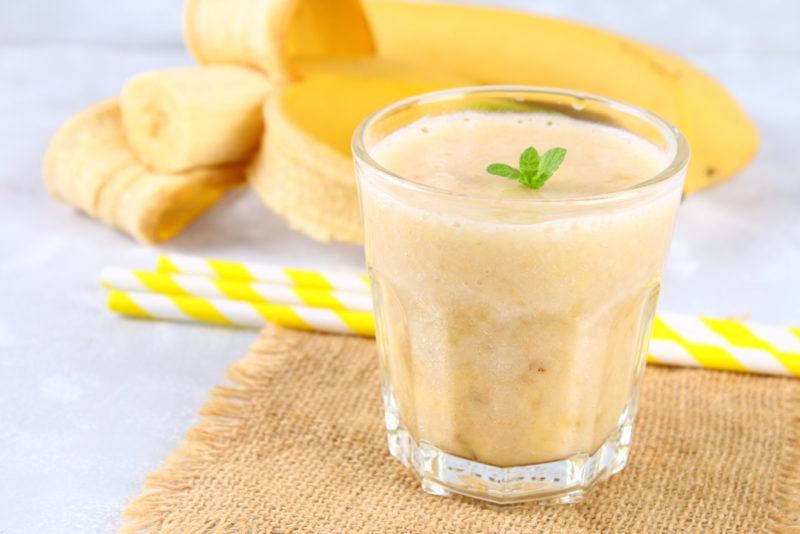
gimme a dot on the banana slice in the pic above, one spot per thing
(88, 164)
(272, 35)
(184, 118)
(304, 170)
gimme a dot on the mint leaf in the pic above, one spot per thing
(533, 170)
(501, 169)
(529, 162)
(539, 181)
(551, 161)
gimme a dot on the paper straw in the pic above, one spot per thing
(250, 272)
(678, 340)
(223, 288)
(724, 344)
(239, 313)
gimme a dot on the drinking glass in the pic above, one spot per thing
(512, 332)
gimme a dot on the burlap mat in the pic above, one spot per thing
(297, 445)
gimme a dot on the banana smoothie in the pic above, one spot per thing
(513, 322)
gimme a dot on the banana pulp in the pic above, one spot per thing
(513, 332)
(88, 164)
(184, 118)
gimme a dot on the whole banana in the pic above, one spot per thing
(499, 46)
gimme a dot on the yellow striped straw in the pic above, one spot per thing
(188, 285)
(239, 313)
(724, 344)
(251, 272)
(211, 291)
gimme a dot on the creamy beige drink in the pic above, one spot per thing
(512, 322)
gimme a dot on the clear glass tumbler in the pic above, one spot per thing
(512, 332)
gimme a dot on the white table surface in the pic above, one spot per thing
(89, 402)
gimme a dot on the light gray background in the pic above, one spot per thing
(89, 403)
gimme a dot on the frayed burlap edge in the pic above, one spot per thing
(785, 515)
(225, 410)
(220, 418)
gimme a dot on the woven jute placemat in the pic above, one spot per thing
(296, 444)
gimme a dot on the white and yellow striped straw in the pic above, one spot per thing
(676, 340)
(252, 272)
(239, 313)
(725, 344)
(223, 288)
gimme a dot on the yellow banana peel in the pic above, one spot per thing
(272, 35)
(499, 46)
(89, 165)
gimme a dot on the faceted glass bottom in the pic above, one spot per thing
(560, 481)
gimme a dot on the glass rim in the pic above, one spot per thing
(678, 163)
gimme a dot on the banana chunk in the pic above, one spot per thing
(272, 35)
(304, 170)
(89, 165)
(184, 118)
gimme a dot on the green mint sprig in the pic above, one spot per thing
(533, 170)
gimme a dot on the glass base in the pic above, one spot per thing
(561, 481)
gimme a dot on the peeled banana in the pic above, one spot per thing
(272, 35)
(120, 166)
(304, 170)
(88, 164)
(185, 118)
(499, 46)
